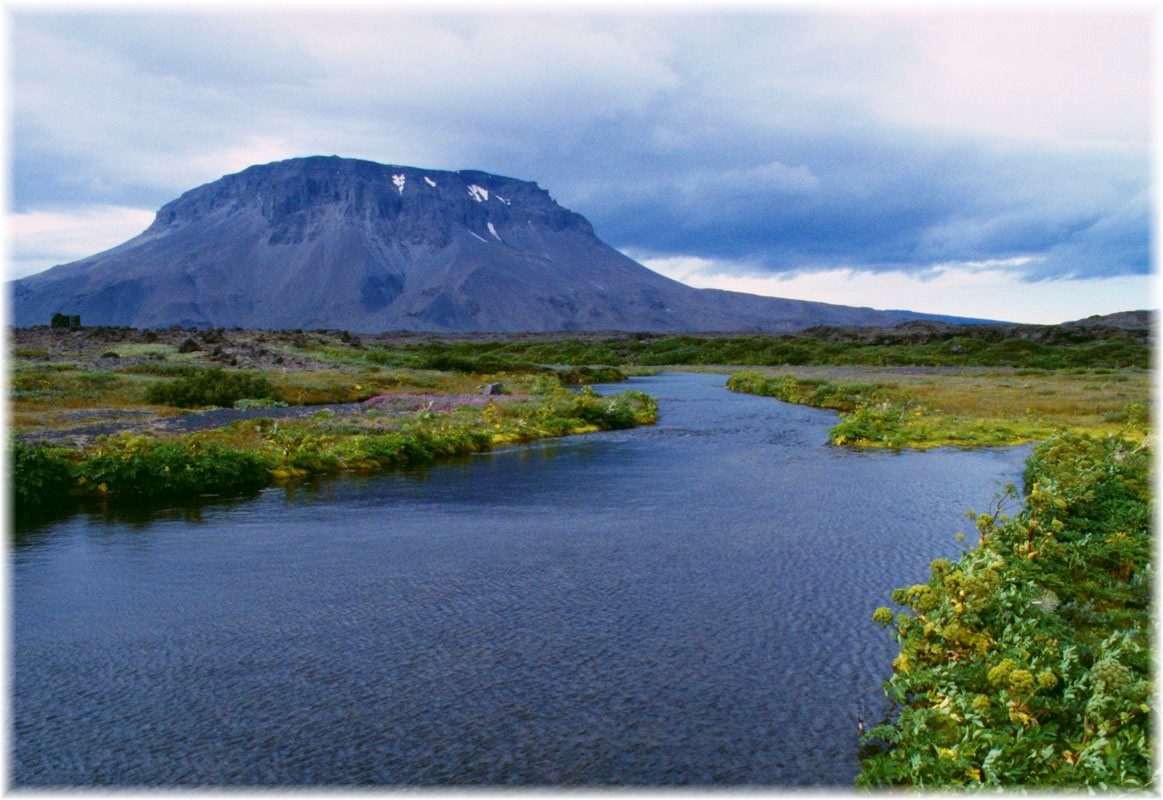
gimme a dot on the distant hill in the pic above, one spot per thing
(328, 242)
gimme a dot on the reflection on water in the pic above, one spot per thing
(684, 604)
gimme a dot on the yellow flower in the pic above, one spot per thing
(102, 488)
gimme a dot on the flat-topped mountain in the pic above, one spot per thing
(328, 242)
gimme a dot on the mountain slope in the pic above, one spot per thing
(342, 243)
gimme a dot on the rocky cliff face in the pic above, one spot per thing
(341, 243)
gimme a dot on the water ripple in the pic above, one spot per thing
(688, 604)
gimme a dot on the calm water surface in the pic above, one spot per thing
(684, 604)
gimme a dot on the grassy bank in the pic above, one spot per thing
(958, 406)
(1027, 662)
(391, 431)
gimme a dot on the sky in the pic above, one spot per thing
(979, 160)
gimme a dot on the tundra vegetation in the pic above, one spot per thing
(388, 417)
(968, 406)
(1024, 663)
(1027, 662)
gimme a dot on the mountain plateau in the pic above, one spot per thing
(329, 242)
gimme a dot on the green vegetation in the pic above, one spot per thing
(55, 371)
(60, 320)
(1028, 661)
(211, 387)
(953, 350)
(248, 455)
(961, 407)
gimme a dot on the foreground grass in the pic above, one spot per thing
(248, 455)
(883, 407)
(1027, 663)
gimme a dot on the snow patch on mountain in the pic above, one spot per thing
(399, 180)
(479, 193)
(493, 231)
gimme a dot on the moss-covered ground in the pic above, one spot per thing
(961, 406)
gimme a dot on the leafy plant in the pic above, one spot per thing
(211, 387)
(39, 474)
(1027, 662)
(187, 467)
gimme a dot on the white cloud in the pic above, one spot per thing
(984, 289)
(42, 239)
(497, 67)
(1064, 75)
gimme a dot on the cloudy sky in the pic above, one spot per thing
(948, 159)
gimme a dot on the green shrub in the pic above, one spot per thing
(164, 370)
(211, 387)
(1027, 663)
(40, 474)
(187, 467)
(877, 422)
(781, 387)
(450, 359)
(589, 374)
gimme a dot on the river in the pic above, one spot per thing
(688, 603)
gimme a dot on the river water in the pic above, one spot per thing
(688, 603)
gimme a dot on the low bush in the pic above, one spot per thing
(883, 423)
(39, 474)
(481, 364)
(187, 467)
(163, 369)
(589, 374)
(1027, 663)
(211, 387)
(782, 387)
(973, 346)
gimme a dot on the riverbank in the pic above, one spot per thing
(1027, 663)
(388, 431)
(964, 407)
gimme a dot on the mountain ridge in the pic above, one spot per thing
(331, 242)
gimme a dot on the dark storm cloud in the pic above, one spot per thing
(887, 202)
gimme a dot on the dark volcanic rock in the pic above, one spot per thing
(327, 242)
